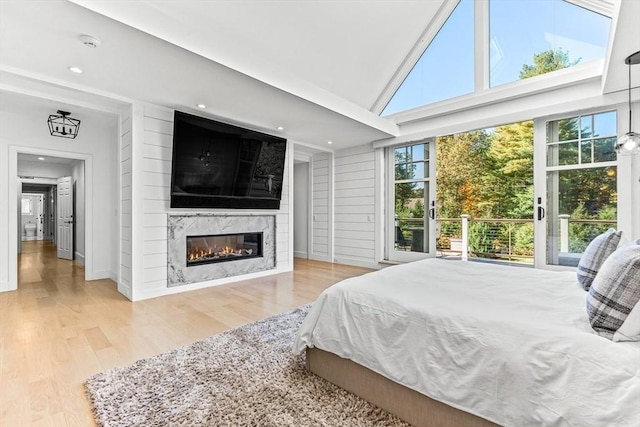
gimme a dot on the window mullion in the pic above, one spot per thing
(481, 44)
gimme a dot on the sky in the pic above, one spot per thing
(518, 30)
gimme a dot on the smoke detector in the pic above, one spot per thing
(89, 41)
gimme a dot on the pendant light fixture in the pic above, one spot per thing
(62, 125)
(629, 143)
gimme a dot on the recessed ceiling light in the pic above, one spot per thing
(201, 106)
(75, 70)
(40, 158)
(279, 128)
(329, 142)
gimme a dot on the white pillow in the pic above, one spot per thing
(614, 296)
(630, 329)
(595, 254)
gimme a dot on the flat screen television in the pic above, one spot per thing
(217, 165)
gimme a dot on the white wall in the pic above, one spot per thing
(354, 220)
(96, 140)
(77, 174)
(151, 166)
(301, 210)
(321, 245)
(43, 169)
(124, 234)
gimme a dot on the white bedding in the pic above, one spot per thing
(510, 344)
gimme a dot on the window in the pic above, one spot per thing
(532, 37)
(582, 140)
(581, 183)
(487, 174)
(525, 38)
(445, 70)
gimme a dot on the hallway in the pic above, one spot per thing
(57, 329)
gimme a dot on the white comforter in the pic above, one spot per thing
(510, 344)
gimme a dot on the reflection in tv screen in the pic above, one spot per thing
(220, 165)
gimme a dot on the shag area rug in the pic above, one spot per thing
(246, 376)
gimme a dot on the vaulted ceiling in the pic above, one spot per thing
(315, 68)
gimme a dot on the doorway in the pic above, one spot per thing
(301, 210)
(485, 194)
(32, 215)
(411, 213)
(37, 172)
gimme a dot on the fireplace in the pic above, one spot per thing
(210, 239)
(222, 248)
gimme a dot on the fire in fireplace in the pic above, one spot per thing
(223, 247)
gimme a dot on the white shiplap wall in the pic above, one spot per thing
(124, 282)
(321, 207)
(355, 202)
(155, 189)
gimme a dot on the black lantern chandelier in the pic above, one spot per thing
(62, 125)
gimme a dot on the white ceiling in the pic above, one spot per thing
(34, 158)
(314, 67)
(625, 29)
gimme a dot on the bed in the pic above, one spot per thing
(450, 343)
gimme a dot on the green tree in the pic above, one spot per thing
(462, 162)
(546, 62)
(508, 184)
(418, 209)
(403, 191)
(511, 173)
(580, 234)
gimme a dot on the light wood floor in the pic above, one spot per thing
(57, 329)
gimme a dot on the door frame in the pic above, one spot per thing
(625, 196)
(430, 223)
(303, 158)
(14, 192)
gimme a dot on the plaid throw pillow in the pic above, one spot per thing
(614, 293)
(595, 254)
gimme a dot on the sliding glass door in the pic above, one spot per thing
(576, 185)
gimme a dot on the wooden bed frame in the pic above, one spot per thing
(409, 405)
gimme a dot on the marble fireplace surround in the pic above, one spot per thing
(181, 226)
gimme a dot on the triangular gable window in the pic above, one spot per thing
(445, 69)
(526, 38)
(533, 37)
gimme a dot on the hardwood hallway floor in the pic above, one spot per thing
(57, 329)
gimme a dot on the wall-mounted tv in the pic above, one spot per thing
(217, 165)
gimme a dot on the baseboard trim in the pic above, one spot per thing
(125, 289)
(162, 289)
(98, 275)
(79, 258)
(357, 262)
(4, 286)
(300, 254)
(324, 258)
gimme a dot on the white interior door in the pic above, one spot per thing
(65, 218)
